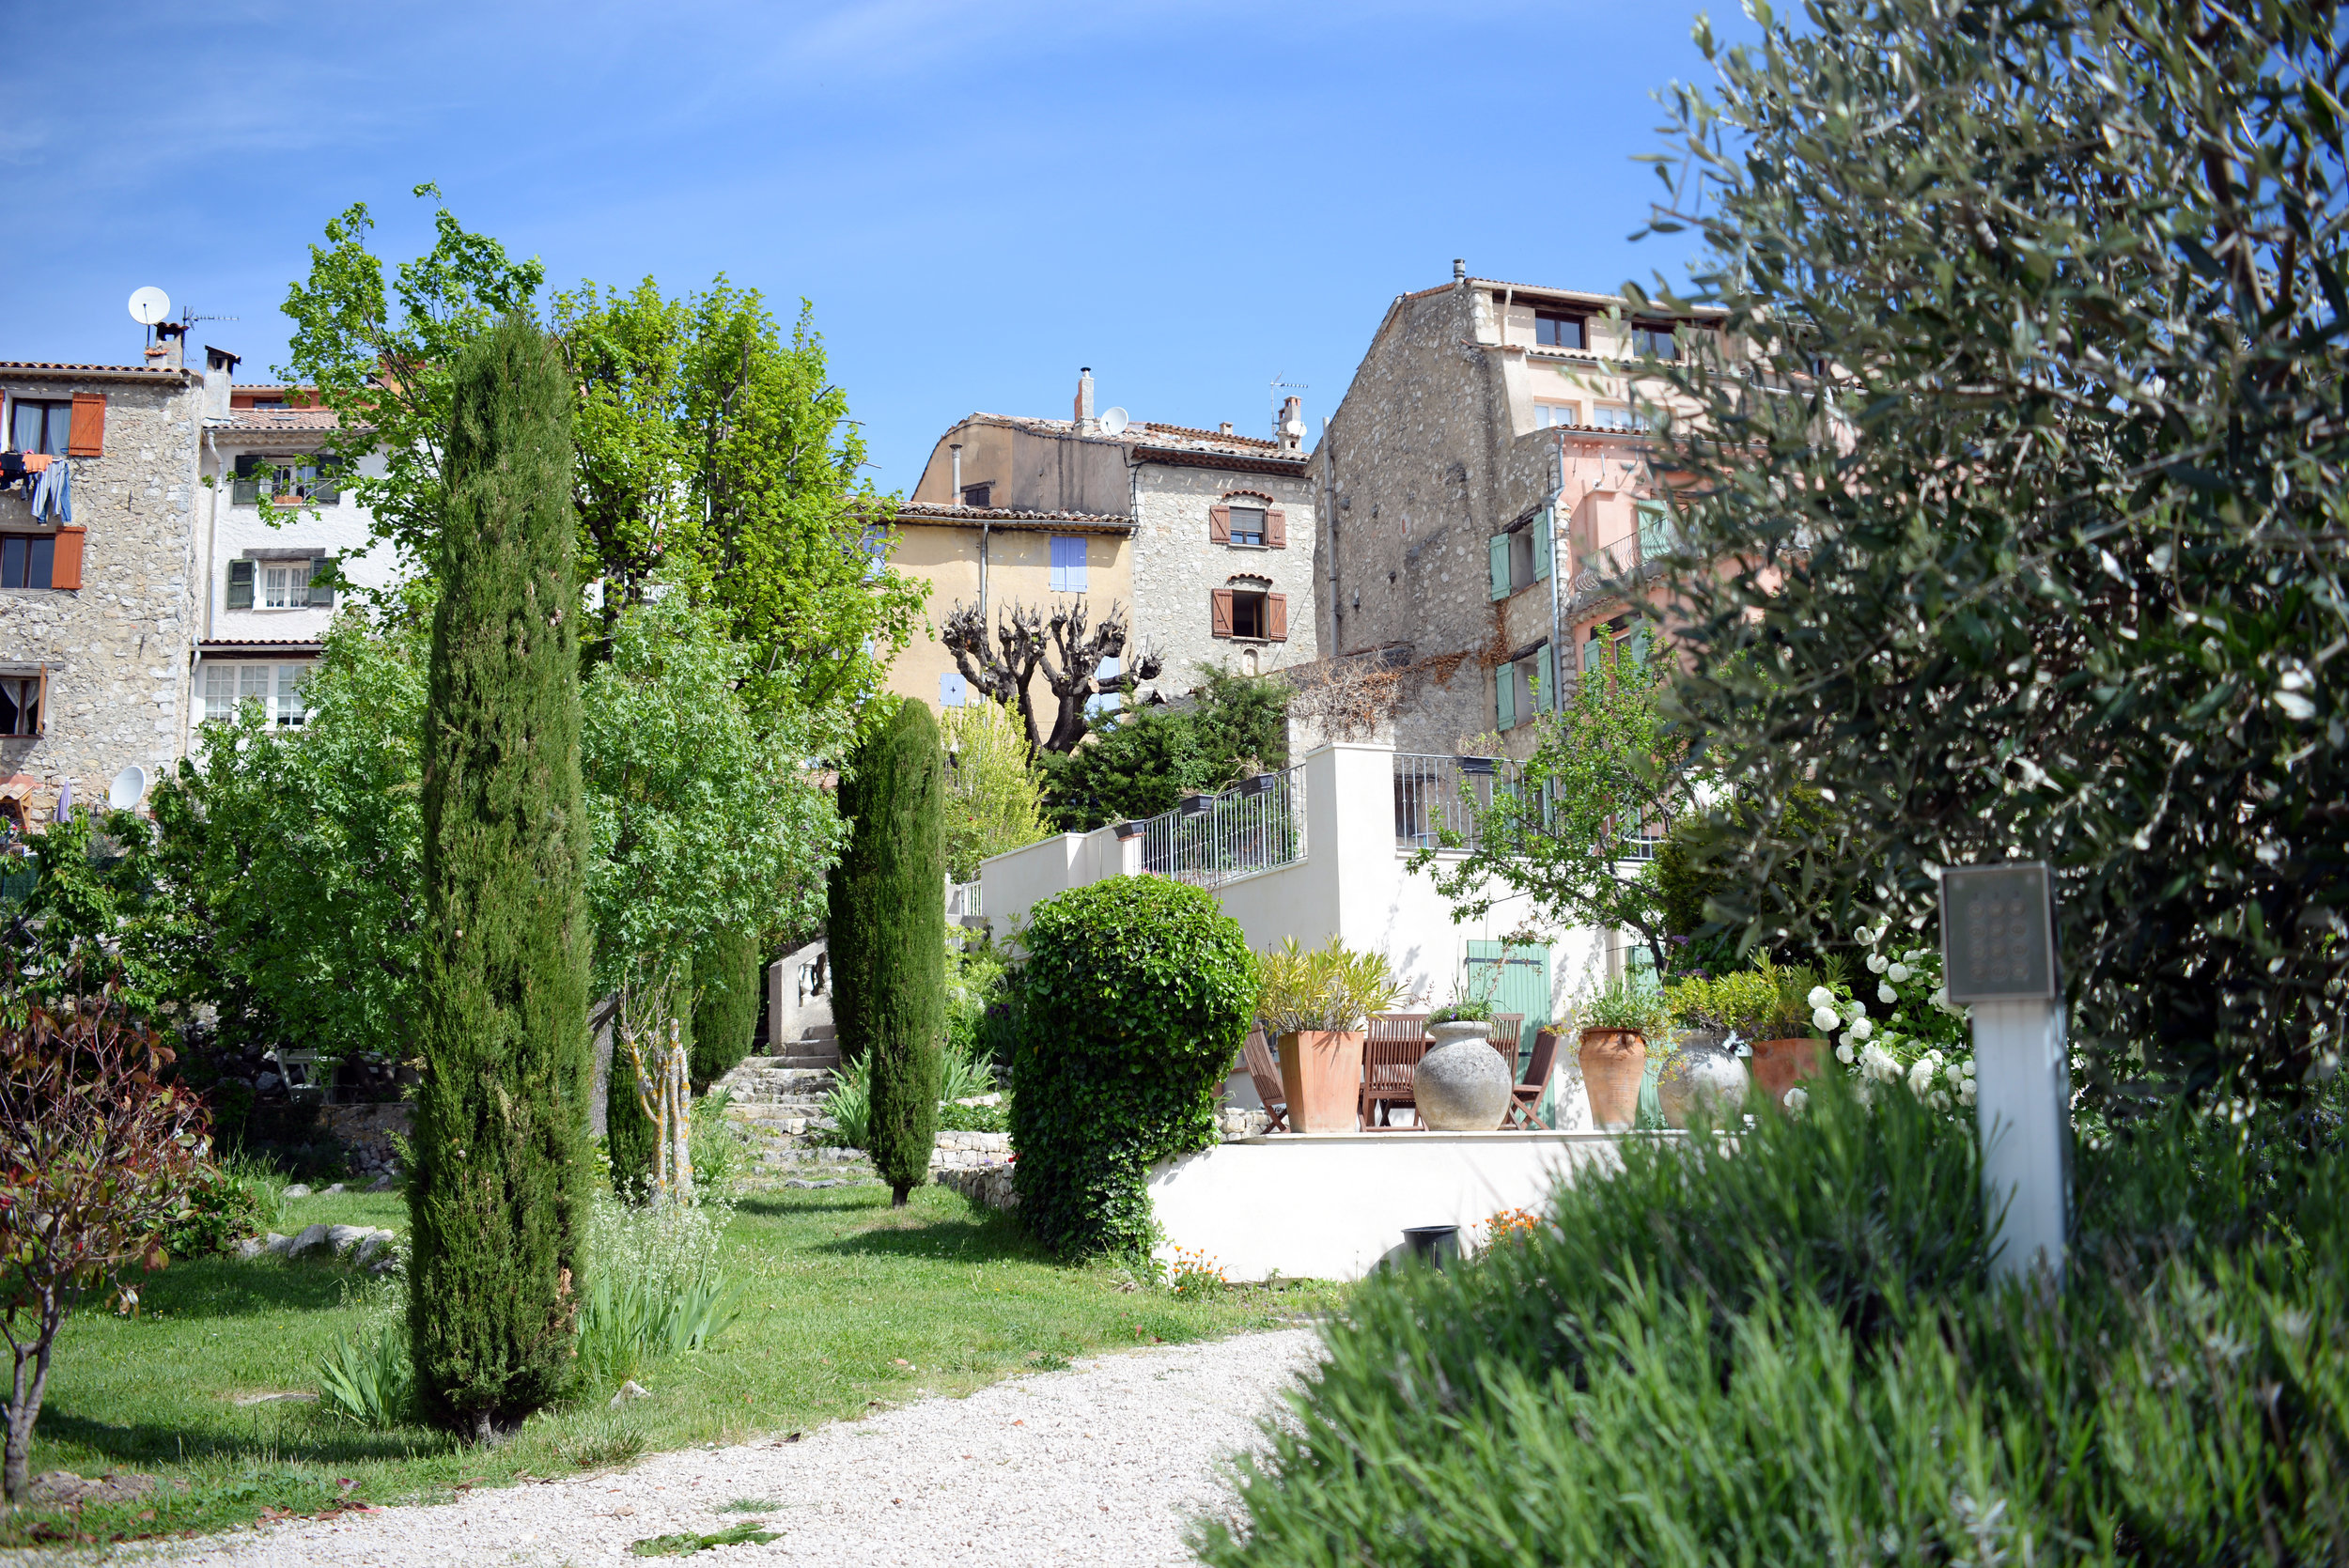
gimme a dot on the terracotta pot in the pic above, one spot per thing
(1777, 1064)
(1614, 1061)
(1461, 1084)
(1321, 1072)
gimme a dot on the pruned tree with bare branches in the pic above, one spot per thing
(1063, 646)
(97, 1154)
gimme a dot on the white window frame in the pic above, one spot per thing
(284, 584)
(1547, 415)
(229, 684)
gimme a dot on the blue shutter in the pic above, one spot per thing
(1069, 564)
(1541, 546)
(1500, 568)
(953, 692)
(1506, 696)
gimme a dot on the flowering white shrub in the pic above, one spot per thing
(1921, 1041)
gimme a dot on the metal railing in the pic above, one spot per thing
(1213, 839)
(1436, 799)
(963, 898)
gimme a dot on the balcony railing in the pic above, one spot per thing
(1213, 839)
(1436, 799)
(963, 898)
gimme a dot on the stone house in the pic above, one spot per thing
(1203, 536)
(123, 628)
(1486, 472)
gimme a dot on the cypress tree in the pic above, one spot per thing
(888, 898)
(725, 1005)
(498, 1197)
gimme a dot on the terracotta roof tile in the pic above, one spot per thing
(939, 512)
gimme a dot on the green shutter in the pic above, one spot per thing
(240, 584)
(245, 492)
(327, 489)
(322, 594)
(1500, 548)
(1635, 657)
(1506, 696)
(1546, 674)
(1654, 543)
(1541, 546)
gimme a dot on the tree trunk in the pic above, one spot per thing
(24, 1399)
(898, 1191)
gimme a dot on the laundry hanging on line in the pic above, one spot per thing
(53, 496)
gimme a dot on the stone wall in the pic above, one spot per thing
(1176, 566)
(118, 649)
(990, 1185)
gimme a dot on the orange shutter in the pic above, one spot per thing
(1276, 529)
(88, 438)
(1219, 525)
(1276, 615)
(1220, 613)
(65, 568)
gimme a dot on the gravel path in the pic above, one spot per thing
(1105, 1463)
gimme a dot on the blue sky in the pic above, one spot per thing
(978, 199)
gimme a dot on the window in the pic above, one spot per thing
(1522, 688)
(1654, 337)
(297, 479)
(27, 560)
(1555, 329)
(20, 704)
(278, 584)
(1548, 415)
(40, 427)
(1249, 613)
(1247, 525)
(1520, 557)
(1617, 416)
(1250, 521)
(1069, 564)
(979, 496)
(226, 686)
(952, 691)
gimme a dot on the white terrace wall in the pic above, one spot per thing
(1353, 883)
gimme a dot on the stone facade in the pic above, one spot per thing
(1180, 565)
(1481, 478)
(113, 650)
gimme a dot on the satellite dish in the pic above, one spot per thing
(128, 787)
(150, 305)
(1114, 423)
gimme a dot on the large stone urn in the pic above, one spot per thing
(1614, 1061)
(1321, 1072)
(1701, 1078)
(1462, 1084)
(1777, 1065)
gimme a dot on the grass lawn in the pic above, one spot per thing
(845, 1305)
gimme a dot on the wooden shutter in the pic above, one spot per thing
(240, 584)
(40, 714)
(327, 488)
(247, 488)
(322, 594)
(1276, 618)
(1505, 697)
(87, 437)
(1541, 546)
(1276, 529)
(1499, 548)
(1219, 532)
(1546, 673)
(1220, 613)
(65, 568)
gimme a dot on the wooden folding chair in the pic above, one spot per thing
(1387, 1067)
(1265, 1073)
(1508, 1032)
(1528, 1093)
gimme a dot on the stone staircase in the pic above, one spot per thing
(778, 1104)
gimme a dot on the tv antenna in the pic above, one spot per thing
(1278, 387)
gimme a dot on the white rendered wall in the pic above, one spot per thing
(1329, 1207)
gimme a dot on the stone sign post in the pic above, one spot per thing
(1999, 955)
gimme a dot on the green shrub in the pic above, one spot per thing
(732, 975)
(849, 1104)
(974, 1118)
(1788, 1351)
(1135, 995)
(238, 1199)
(715, 1145)
(368, 1379)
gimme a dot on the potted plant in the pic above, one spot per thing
(1615, 1026)
(1462, 1084)
(1794, 1043)
(1318, 1004)
(1703, 1073)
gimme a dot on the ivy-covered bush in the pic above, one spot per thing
(1135, 995)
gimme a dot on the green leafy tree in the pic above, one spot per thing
(2022, 519)
(497, 1199)
(994, 792)
(1574, 829)
(888, 938)
(718, 453)
(385, 359)
(1144, 764)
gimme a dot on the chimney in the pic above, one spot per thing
(954, 499)
(1084, 401)
(220, 365)
(1225, 427)
(1459, 268)
(1292, 424)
